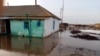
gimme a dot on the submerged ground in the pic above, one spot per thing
(64, 45)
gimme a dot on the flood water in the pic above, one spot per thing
(58, 44)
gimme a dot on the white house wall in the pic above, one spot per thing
(48, 26)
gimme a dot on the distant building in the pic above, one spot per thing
(97, 26)
(79, 26)
(29, 20)
(63, 26)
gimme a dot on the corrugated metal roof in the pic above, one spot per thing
(35, 11)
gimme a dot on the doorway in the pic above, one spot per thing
(2, 26)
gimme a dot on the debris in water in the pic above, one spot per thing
(85, 36)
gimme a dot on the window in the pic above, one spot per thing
(26, 25)
(39, 23)
(54, 24)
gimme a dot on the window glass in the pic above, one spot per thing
(26, 25)
(38, 23)
(54, 24)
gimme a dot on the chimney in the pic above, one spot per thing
(35, 2)
(1, 6)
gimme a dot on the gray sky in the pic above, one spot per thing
(75, 11)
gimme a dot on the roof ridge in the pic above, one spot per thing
(44, 10)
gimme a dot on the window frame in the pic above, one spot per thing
(26, 25)
(38, 23)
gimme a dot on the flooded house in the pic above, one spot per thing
(28, 20)
(22, 45)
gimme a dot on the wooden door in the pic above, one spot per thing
(2, 27)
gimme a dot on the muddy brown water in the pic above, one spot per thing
(58, 44)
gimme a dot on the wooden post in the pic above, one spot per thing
(29, 27)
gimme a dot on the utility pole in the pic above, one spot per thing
(29, 27)
(61, 15)
(29, 33)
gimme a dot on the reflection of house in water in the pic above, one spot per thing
(5, 42)
(44, 46)
(36, 47)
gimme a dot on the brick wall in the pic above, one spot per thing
(1, 6)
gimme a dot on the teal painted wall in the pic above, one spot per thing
(17, 28)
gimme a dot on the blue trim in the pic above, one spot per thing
(53, 24)
(26, 25)
(38, 23)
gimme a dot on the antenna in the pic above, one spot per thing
(62, 10)
(7, 3)
(35, 2)
(61, 13)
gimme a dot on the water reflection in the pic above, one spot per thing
(5, 42)
(22, 45)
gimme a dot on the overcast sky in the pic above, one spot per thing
(75, 11)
